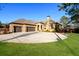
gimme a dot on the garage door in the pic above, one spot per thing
(17, 28)
(30, 29)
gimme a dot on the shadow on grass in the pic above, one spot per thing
(65, 44)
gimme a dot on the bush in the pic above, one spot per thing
(51, 30)
(77, 30)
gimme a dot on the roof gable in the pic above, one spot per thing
(24, 21)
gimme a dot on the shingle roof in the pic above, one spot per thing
(24, 21)
(40, 22)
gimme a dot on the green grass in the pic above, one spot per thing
(67, 47)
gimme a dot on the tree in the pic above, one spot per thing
(64, 21)
(70, 8)
(1, 24)
(2, 6)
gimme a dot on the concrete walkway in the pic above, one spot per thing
(31, 37)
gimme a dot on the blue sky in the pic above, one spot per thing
(32, 11)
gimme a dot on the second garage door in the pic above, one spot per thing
(30, 29)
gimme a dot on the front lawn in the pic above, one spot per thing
(67, 47)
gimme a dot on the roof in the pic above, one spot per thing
(40, 22)
(58, 23)
(23, 21)
(51, 21)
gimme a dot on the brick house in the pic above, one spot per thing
(22, 25)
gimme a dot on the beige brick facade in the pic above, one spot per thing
(25, 26)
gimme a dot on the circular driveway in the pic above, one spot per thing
(32, 37)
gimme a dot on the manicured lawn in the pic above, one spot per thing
(67, 47)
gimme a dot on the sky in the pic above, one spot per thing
(30, 11)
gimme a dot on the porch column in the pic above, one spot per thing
(11, 28)
(24, 28)
(54, 26)
(36, 28)
(40, 27)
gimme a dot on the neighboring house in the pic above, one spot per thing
(4, 29)
(23, 25)
(73, 24)
(73, 27)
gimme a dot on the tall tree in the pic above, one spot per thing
(64, 21)
(2, 6)
(1, 24)
(71, 9)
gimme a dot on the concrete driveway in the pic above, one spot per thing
(31, 37)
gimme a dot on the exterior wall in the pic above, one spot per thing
(47, 27)
(54, 26)
(11, 27)
(24, 27)
(50, 26)
(4, 30)
(36, 28)
(39, 27)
